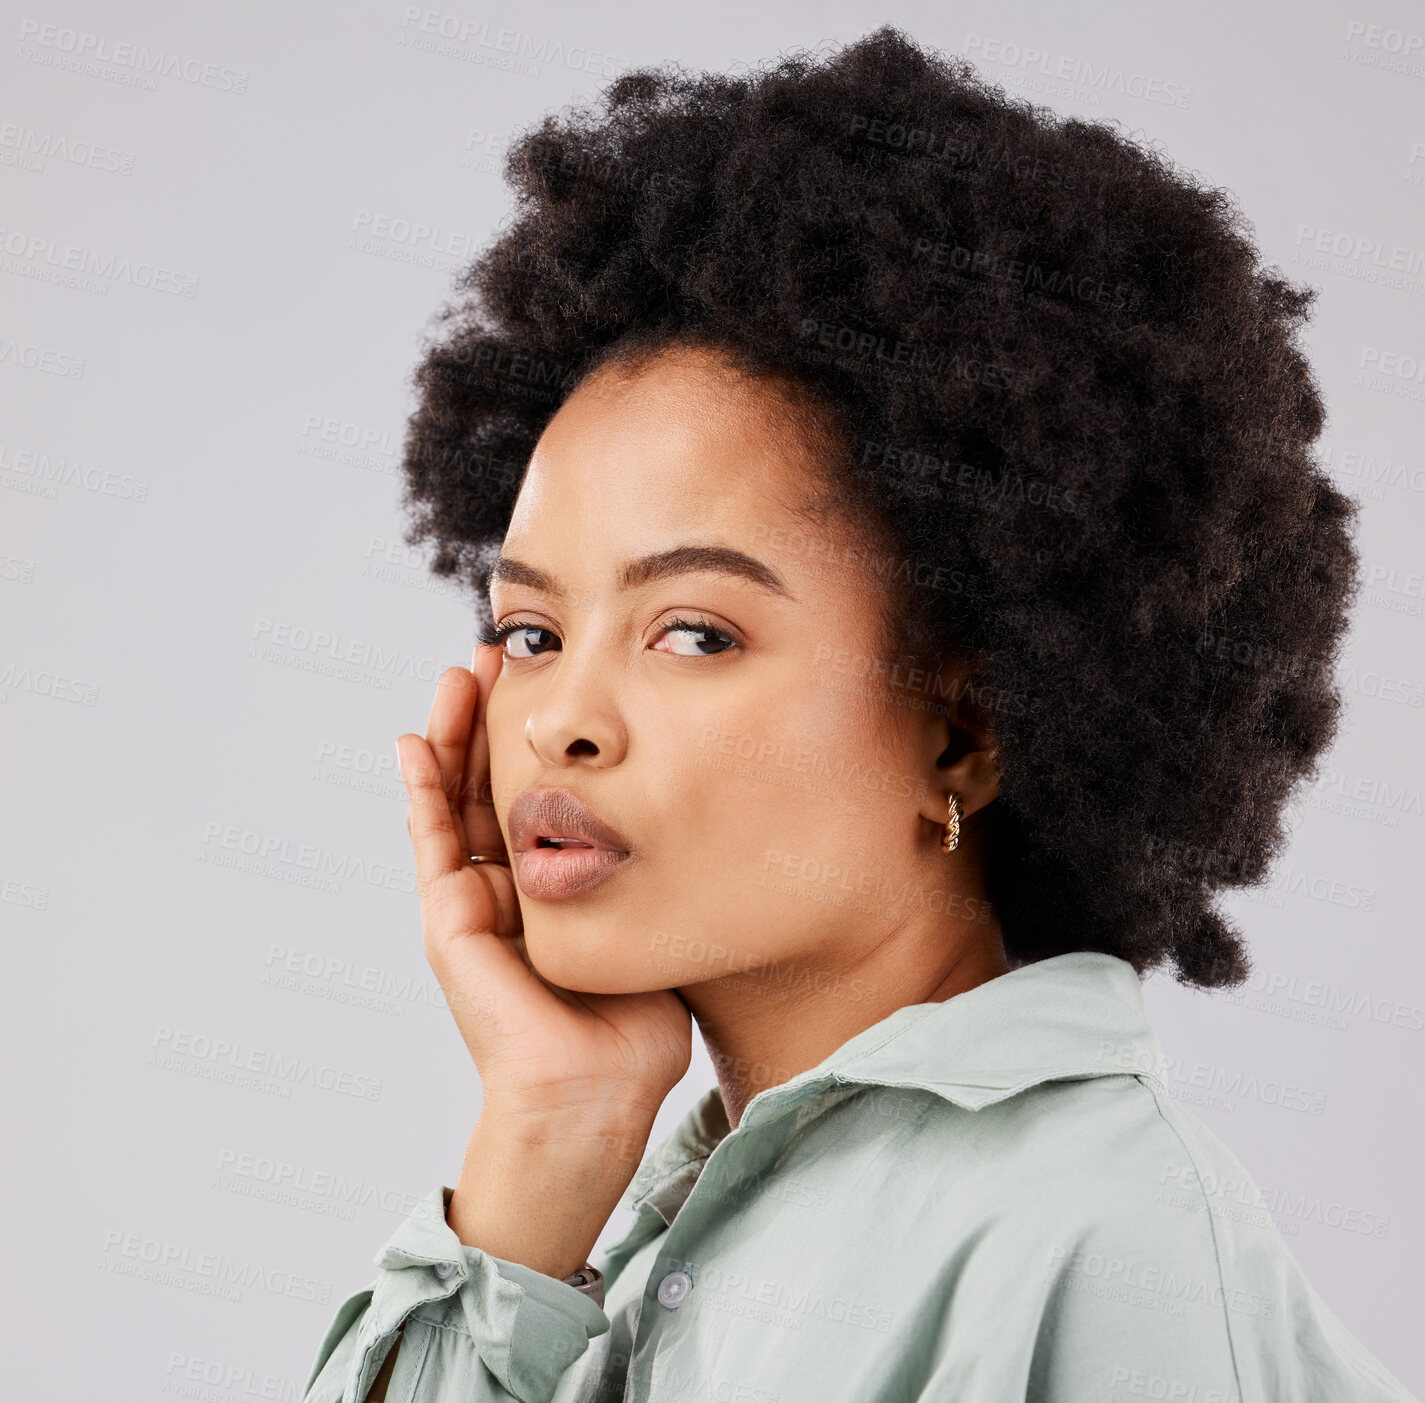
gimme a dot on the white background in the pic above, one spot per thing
(185, 546)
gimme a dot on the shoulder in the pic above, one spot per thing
(1160, 1266)
(1288, 1341)
(1100, 1179)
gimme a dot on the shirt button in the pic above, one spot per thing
(673, 1289)
(445, 1270)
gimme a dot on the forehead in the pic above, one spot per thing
(679, 443)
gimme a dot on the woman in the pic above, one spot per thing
(857, 472)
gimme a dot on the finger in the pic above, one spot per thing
(432, 826)
(452, 714)
(477, 801)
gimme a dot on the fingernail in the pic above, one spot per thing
(400, 767)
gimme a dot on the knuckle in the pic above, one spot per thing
(437, 897)
(431, 802)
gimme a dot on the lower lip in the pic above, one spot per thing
(551, 874)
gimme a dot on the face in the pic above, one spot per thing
(722, 713)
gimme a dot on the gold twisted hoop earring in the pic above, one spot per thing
(950, 839)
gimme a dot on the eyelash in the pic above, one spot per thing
(496, 636)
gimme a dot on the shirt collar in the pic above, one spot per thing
(1070, 1016)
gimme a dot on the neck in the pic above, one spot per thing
(765, 1026)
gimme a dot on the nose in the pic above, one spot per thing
(575, 717)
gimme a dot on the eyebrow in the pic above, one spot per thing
(662, 565)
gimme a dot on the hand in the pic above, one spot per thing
(544, 1054)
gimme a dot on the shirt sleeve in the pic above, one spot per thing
(473, 1327)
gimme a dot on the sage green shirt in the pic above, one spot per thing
(984, 1200)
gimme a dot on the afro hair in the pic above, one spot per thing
(1060, 380)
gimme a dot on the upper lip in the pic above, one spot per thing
(559, 813)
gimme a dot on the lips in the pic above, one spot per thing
(557, 813)
(560, 846)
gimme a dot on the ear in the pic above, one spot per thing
(958, 744)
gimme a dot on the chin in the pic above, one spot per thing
(587, 969)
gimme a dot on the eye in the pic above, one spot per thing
(697, 638)
(702, 634)
(520, 645)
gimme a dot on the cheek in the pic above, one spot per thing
(799, 772)
(719, 789)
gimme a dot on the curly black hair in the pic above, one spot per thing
(1062, 387)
